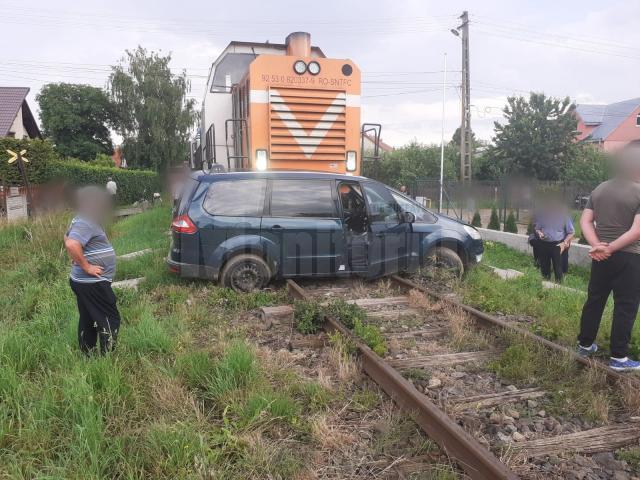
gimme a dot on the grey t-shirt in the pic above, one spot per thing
(615, 203)
(96, 248)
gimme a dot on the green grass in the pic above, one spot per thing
(178, 398)
(555, 312)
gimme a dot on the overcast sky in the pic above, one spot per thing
(588, 50)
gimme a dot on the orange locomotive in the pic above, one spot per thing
(283, 107)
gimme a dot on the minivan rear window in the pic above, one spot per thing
(241, 198)
(186, 191)
(302, 198)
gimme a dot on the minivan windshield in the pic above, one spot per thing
(406, 205)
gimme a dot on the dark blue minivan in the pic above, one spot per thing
(244, 229)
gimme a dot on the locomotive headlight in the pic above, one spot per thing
(314, 68)
(261, 160)
(351, 161)
(299, 67)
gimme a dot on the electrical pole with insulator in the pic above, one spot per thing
(466, 147)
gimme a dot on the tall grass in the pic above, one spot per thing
(168, 403)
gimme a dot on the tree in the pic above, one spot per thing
(588, 168)
(411, 163)
(494, 221)
(153, 112)
(476, 221)
(76, 118)
(510, 225)
(538, 138)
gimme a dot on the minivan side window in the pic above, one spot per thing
(382, 207)
(241, 198)
(302, 198)
(422, 215)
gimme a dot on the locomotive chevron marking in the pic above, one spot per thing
(308, 142)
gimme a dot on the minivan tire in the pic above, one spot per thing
(446, 259)
(245, 273)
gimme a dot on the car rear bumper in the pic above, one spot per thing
(189, 270)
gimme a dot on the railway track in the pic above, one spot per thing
(436, 370)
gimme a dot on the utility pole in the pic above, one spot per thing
(466, 147)
(444, 103)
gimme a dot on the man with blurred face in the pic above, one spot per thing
(93, 269)
(611, 224)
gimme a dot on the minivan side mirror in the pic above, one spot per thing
(408, 217)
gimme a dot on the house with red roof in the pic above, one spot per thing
(16, 119)
(609, 127)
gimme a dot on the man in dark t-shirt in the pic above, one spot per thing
(92, 271)
(611, 224)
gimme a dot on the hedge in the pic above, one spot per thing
(133, 185)
(39, 153)
(45, 166)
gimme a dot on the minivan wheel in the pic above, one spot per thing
(245, 273)
(445, 261)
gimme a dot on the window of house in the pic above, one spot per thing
(302, 198)
(242, 198)
(638, 121)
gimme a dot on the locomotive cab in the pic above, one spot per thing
(283, 107)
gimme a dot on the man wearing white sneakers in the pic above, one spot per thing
(611, 224)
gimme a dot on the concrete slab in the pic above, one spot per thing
(139, 253)
(130, 283)
(578, 254)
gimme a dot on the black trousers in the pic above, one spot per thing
(548, 255)
(99, 317)
(619, 274)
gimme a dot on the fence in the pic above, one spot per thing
(462, 200)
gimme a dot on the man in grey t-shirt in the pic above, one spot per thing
(93, 269)
(611, 224)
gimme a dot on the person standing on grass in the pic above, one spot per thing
(611, 225)
(553, 234)
(93, 269)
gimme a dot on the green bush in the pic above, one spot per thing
(39, 153)
(103, 160)
(346, 312)
(45, 165)
(476, 221)
(307, 316)
(133, 185)
(510, 225)
(494, 221)
(372, 336)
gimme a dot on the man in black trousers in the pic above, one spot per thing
(93, 269)
(611, 224)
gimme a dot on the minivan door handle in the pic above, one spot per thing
(277, 227)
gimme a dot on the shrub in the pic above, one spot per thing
(476, 221)
(45, 165)
(103, 160)
(372, 336)
(132, 184)
(346, 312)
(530, 229)
(307, 316)
(510, 225)
(494, 221)
(39, 153)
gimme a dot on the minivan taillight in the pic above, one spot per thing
(183, 224)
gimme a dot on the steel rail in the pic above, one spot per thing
(492, 321)
(478, 462)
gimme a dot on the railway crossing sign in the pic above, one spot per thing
(20, 159)
(14, 156)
